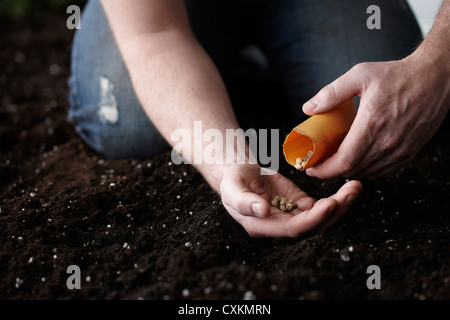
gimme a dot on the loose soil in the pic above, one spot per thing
(145, 228)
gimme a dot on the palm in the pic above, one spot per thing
(244, 186)
(269, 186)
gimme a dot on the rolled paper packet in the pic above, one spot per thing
(321, 134)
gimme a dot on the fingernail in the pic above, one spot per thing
(310, 172)
(256, 207)
(350, 199)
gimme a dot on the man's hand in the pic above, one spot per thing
(246, 194)
(402, 105)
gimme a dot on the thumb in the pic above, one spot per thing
(236, 194)
(340, 90)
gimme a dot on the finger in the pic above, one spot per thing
(348, 192)
(314, 220)
(285, 225)
(375, 168)
(343, 163)
(347, 159)
(305, 204)
(248, 203)
(345, 196)
(324, 213)
(328, 211)
(376, 159)
(385, 170)
(238, 196)
(381, 163)
(340, 90)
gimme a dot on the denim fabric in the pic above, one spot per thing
(104, 108)
(309, 43)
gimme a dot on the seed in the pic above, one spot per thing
(275, 201)
(290, 206)
(300, 163)
(283, 204)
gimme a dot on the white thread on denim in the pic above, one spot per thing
(108, 112)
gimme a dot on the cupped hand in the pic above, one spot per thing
(402, 105)
(246, 194)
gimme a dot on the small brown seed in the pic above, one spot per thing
(275, 201)
(290, 206)
(283, 204)
(300, 163)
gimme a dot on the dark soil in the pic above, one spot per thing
(148, 229)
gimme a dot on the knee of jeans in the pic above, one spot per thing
(129, 145)
(106, 142)
(119, 140)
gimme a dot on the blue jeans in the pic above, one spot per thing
(306, 43)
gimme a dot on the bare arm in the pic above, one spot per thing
(174, 79)
(436, 45)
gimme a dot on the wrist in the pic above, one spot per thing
(430, 57)
(214, 174)
(213, 167)
(428, 74)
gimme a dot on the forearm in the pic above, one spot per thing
(178, 84)
(436, 46)
(173, 77)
